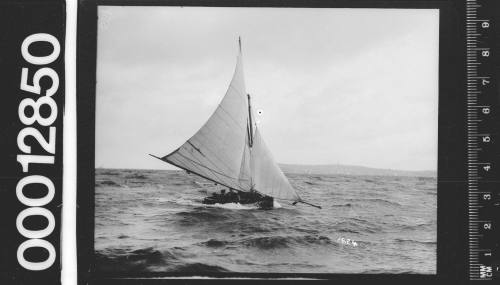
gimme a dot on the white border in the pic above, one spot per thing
(68, 225)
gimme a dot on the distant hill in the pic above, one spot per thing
(351, 170)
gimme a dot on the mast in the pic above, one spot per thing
(250, 127)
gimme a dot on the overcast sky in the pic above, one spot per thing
(347, 86)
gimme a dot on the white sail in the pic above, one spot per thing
(219, 151)
(228, 151)
(267, 177)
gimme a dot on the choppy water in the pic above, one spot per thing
(153, 221)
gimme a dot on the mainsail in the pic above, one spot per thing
(218, 149)
(229, 149)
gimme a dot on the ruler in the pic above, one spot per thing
(482, 134)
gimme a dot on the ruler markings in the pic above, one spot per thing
(477, 53)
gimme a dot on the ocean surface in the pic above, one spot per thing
(153, 221)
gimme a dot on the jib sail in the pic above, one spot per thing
(266, 175)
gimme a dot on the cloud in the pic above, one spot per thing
(352, 86)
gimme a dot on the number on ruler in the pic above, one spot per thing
(487, 196)
(487, 226)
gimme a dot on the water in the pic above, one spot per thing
(153, 221)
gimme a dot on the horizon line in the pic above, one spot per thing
(351, 165)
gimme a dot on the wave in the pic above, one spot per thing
(416, 241)
(385, 202)
(107, 172)
(199, 267)
(106, 183)
(197, 216)
(422, 226)
(179, 201)
(136, 176)
(343, 205)
(215, 243)
(150, 253)
(260, 226)
(358, 226)
(349, 231)
(390, 271)
(267, 242)
(134, 261)
(149, 260)
(272, 242)
(375, 201)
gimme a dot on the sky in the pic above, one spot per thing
(334, 86)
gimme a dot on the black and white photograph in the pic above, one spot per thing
(266, 140)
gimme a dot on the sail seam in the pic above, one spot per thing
(209, 169)
(229, 115)
(195, 167)
(198, 165)
(201, 133)
(214, 173)
(216, 156)
(173, 163)
(197, 149)
(236, 89)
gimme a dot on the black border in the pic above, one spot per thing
(451, 198)
(18, 20)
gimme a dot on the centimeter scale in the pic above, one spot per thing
(482, 132)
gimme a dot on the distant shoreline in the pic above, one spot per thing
(353, 170)
(328, 169)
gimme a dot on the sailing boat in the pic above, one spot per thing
(229, 150)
